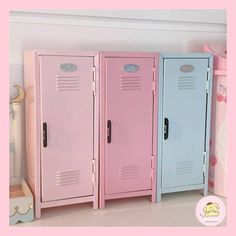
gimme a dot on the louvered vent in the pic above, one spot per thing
(67, 177)
(184, 167)
(128, 172)
(130, 83)
(67, 83)
(186, 83)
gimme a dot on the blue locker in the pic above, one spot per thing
(185, 87)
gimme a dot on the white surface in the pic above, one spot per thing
(176, 209)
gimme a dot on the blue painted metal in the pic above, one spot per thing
(185, 100)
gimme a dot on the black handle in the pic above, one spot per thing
(166, 128)
(45, 134)
(109, 131)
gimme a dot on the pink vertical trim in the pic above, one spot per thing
(102, 128)
(155, 122)
(96, 133)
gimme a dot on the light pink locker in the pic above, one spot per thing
(61, 127)
(128, 125)
(218, 152)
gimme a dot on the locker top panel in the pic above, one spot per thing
(104, 54)
(188, 55)
(77, 53)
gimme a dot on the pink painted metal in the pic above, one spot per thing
(63, 170)
(128, 106)
(218, 154)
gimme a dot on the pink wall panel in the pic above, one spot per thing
(218, 155)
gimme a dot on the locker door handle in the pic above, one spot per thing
(45, 134)
(166, 128)
(108, 131)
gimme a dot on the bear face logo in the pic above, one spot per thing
(211, 209)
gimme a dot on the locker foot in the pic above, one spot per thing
(37, 213)
(153, 198)
(102, 205)
(95, 205)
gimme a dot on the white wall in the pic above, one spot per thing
(135, 30)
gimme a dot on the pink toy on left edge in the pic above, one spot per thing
(61, 127)
(128, 125)
(218, 155)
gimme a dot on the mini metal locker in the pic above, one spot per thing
(184, 122)
(61, 127)
(128, 121)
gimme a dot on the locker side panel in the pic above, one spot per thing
(32, 125)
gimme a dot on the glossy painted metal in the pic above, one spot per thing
(184, 124)
(61, 127)
(128, 120)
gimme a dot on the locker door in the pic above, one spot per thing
(129, 116)
(67, 120)
(184, 111)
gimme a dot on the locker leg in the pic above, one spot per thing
(95, 203)
(102, 203)
(205, 191)
(158, 196)
(153, 197)
(37, 212)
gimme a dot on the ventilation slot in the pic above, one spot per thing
(184, 167)
(128, 172)
(67, 83)
(130, 83)
(67, 177)
(186, 83)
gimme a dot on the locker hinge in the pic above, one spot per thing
(154, 81)
(204, 165)
(208, 82)
(152, 168)
(207, 86)
(154, 87)
(93, 172)
(94, 80)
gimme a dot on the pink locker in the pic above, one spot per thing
(128, 125)
(218, 154)
(61, 127)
